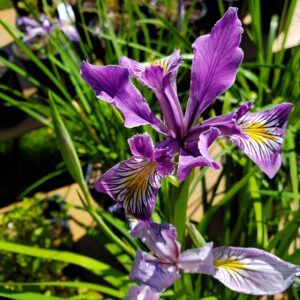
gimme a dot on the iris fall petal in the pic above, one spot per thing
(253, 271)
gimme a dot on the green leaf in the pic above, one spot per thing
(290, 138)
(227, 198)
(180, 208)
(66, 146)
(26, 295)
(73, 284)
(106, 272)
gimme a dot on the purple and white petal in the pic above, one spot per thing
(142, 292)
(112, 84)
(264, 133)
(134, 183)
(28, 22)
(199, 260)
(217, 57)
(148, 270)
(253, 271)
(159, 238)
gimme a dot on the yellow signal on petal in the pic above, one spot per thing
(137, 186)
(228, 264)
(137, 180)
(161, 62)
(257, 131)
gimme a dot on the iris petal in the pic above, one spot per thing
(217, 57)
(264, 136)
(160, 239)
(253, 271)
(112, 84)
(160, 76)
(142, 292)
(148, 270)
(199, 260)
(134, 183)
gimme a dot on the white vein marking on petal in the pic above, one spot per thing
(264, 132)
(132, 184)
(256, 274)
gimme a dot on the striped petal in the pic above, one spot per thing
(134, 183)
(264, 134)
(253, 271)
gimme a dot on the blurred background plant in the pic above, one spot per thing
(38, 223)
(236, 206)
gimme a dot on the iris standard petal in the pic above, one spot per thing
(159, 238)
(253, 271)
(199, 260)
(160, 76)
(264, 133)
(217, 57)
(142, 292)
(148, 270)
(134, 183)
(137, 69)
(112, 84)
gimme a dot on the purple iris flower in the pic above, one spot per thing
(245, 270)
(37, 29)
(217, 57)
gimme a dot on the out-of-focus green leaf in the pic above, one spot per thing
(74, 284)
(106, 272)
(25, 295)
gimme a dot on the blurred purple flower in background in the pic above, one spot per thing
(34, 29)
(217, 57)
(38, 29)
(244, 270)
